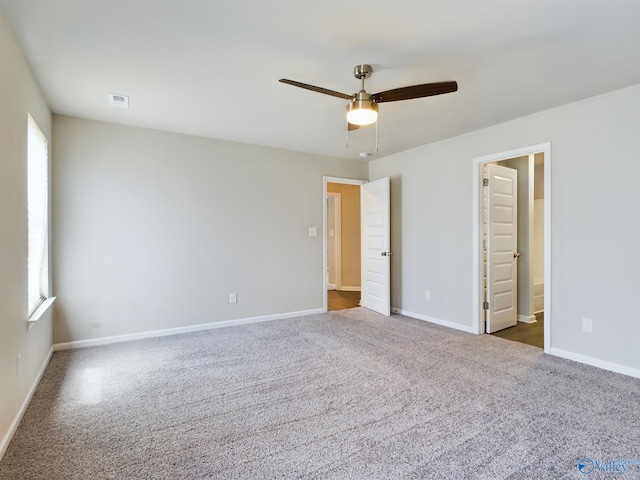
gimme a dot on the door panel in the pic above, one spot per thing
(376, 282)
(501, 267)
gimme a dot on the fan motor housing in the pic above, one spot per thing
(362, 71)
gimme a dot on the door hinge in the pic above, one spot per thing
(485, 305)
(485, 182)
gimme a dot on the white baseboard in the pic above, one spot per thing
(348, 288)
(331, 286)
(444, 323)
(23, 408)
(595, 362)
(527, 318)
(174, 331)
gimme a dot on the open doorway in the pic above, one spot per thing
(518, 312)
(511, 245)
(342, 240)
(342, 245)
(373, 240)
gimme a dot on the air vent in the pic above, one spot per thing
(116, 100)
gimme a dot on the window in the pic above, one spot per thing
(37, 219)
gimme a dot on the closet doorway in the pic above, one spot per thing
(512, 275)
(518, 312)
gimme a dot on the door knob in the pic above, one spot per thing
(516, 255)
(385, 254)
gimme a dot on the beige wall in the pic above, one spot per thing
(331, 234)
(593, 275)
(350, 226)
(19, 94)
(154, 230)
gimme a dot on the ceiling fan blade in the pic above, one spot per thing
(352, 126)
(313, 88)
(415, 91)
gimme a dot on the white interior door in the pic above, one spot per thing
(376, 255)
(502, 257)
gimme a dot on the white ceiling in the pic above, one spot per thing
(211, 67)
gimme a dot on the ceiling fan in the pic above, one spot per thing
(362, 108)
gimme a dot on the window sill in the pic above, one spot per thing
(41, 310)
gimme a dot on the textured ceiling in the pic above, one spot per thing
(211, 68)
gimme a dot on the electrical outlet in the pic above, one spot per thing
(19, 364)
(587, 325)
(233, 298)
(427, 294)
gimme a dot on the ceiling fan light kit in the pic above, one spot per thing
(362, 108)
(362, 112)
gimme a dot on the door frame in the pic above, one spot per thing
(325, 180)
(478, 280)
(337, 235)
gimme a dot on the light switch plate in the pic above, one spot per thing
(313, 231)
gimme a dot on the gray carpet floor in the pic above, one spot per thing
(343, 395)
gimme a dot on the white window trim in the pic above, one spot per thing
(41, 310)
(35, 313)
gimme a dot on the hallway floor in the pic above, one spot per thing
(529, 333)
(340, 300)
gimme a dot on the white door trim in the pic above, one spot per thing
(325, 180)
(478, 325)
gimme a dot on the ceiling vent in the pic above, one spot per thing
(116, 100)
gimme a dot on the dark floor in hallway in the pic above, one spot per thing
(529, 333)
(339, 300)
